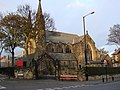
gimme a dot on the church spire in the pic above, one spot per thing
(29, 20)
(39, 11)
(40, 29)
(39, 23)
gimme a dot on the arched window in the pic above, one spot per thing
(67, 49)
(64, 63)
(59, 49)
(73, 64)
(50, 48)
(89, 53)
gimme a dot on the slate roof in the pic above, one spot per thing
(116, 52)
(62, 37)
(63, 56)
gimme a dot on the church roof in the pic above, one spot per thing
(63, 56)
(62, 37)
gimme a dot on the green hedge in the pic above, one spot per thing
(102, 70)
(7, 71)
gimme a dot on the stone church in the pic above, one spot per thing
(66, 48)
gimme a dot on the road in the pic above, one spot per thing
(107, 86)
(57, 85)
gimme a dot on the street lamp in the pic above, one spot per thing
(85, 53)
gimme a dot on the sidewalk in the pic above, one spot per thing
(101, 81)
(1, 87)
(2, 77)
(43, 84)
(90, 82)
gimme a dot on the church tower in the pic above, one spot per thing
(40, 29)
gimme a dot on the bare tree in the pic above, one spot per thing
(28, 29)
(28, 14)
(18, 28)
(49, 22)
(114, 36)
(10, 25)
(2, 36)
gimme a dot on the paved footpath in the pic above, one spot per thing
(44, 84)
(16, 84)
(1, 87)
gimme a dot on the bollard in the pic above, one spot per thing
(112, 78)
(102, 79)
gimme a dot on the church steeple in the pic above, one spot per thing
(39, 17)
(39, 11)
(40, 28)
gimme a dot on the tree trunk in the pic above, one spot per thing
(0, 59)
(0, 56)
(13, 57)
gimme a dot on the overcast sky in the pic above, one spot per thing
(68, 15)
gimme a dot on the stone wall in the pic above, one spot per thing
(24, 74)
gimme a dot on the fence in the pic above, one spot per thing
(91, 71)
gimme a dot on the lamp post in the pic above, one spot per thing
(85, 53)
